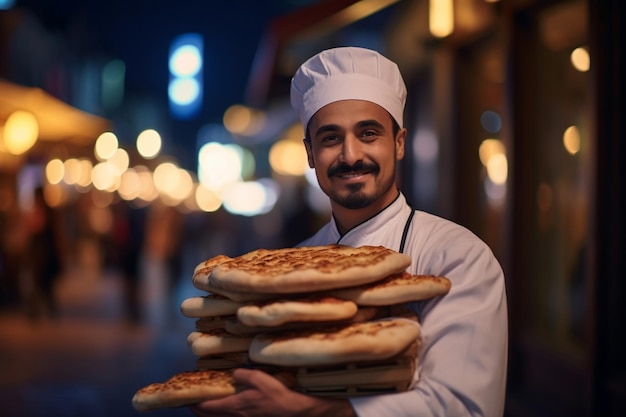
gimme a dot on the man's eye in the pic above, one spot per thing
(369, 133)
(330, 138)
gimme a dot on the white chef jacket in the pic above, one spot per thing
(461, 369)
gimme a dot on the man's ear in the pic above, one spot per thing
(309, 152)
(400, 142)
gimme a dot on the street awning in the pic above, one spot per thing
(57, 120)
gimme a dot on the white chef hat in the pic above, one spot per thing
(347, 73)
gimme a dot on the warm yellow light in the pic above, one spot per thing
(242, 120)
(84, 179)
(20, 132)
(571, 140)
(120, 160)
(55, 171)
(166, 177)
(348, 15)
(288, 157)
(105, 146)
(130, 185)
(237, 118)
(208, 200)
(184, 187)
(72, 169)
(488, 148)
(104, 176)
(149, 143)
(148, 191)
(580, 59)
(492, 155)
(441, 17)
(497, 169)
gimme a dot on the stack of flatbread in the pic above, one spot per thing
(330, 316)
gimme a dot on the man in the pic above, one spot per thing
(351, 103)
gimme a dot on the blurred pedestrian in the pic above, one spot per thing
(43, 257)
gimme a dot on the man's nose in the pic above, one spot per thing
(351, 150)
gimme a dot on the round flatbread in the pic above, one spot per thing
(211, 305)
(307, 269)
(192, 387)
(206, 266)
(310, 309)
(367, 341)
(201, 282)
(234, 326)
(185, 388)
(396, 289)
(216, 341)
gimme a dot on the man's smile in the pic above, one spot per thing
(351, 173)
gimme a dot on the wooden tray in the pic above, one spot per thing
(358, 379)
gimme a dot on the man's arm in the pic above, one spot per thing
(463, 357)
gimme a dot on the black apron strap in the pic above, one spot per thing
(406, 230)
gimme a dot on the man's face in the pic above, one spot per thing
(354, 153)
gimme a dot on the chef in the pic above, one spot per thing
(350, 102)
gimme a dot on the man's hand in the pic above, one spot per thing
(264, 395)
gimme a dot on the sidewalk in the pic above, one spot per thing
(90, 360)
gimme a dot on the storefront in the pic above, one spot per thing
(515, 121)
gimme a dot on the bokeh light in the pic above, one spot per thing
(21, 131)
(571, 140)
(55, 171)
(580, 59)
(105, 146)
(149, 143)
(219, 165)
(288, 157)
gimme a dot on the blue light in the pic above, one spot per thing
(185, 89)
(6, 4)
(491, 121)
(186, 61)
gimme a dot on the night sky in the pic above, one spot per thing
(139, 32)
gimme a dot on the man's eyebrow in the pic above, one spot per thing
(362, 124)
(327, 128)
(370, 123)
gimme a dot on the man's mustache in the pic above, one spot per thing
(359, 166)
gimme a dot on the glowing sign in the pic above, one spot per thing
(185, 88)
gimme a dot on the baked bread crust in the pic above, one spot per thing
(185, 388)
(306, 269)
(396, 289)
(365, 341)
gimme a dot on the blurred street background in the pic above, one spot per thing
(91, 355)
(140, 138)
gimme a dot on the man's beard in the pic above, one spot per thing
(356, 198)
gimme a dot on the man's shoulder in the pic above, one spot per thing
(441, 232)
(425, 219)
